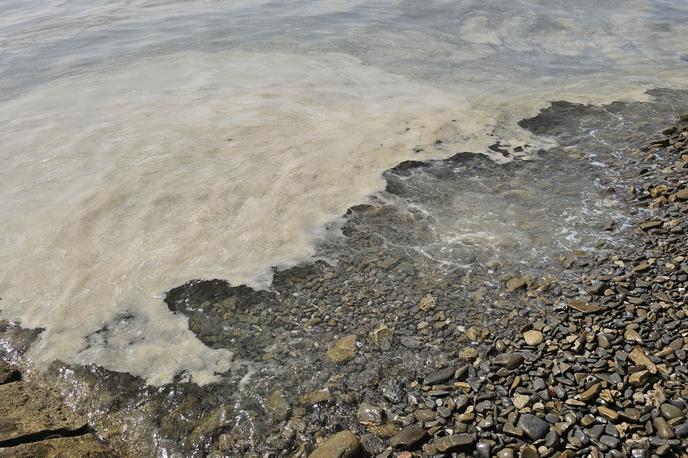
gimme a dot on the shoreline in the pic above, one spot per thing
(451, 409)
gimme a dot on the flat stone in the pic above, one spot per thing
(508, 360)
(682, 194)
(533, 337)
(409, 437)
(535, 427)
(31, 408)
(591, 393)
(512, 430)
(584, 306)
(80, 446)
(520, 400)
(516, 283)
(344, 444)
(343, 350)
(670, 411)
(639, 378)
(454, 442)
(506, 453)
(639, 357)
(439, 376)
(608, 413)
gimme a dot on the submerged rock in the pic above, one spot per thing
(344, 444)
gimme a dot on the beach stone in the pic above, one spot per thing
(439, 376)
(682, 194)
(591, 393)
(508, 360)
(369, 414)
(663, 429)
(520, 400)
(609, 441)
(639, 357)
(468, 354)
(343, 350)
(344, 444)
(639, 378)
(534, 426)
(516, 283)
(608, 413)
(506, 453)
(533, 337)
(529, 451)
(670, 411)
(453, 442)
(409, 437)
(583, 306)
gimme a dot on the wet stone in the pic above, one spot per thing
(454, 442)
(344, 444)
(369, 414)
(670, 411)
(535, 427)
(343, 350)
(508, 360)
(409, 437)
(439, 376)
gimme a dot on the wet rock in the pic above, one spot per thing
(439, 376)
(316, 397)
(8, 373)
(370, 415)
(80, 446)
(344, 444)
(516, 283)
(608, 413)
(583, 306)
(409, 437)
(278, 406)
(392, 389)
(454, 442)
(670, 411)
(535, 427)
(663, 429)
(343, 350)
(33, 409)
(508, 360)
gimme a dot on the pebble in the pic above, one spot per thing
(344, 444)
(535, 427)
(409, 437)
(453, 442)
(533, 337)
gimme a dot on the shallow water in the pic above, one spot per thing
(148, 143)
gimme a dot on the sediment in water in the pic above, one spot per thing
(421, 278)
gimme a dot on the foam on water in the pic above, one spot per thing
(145, 144)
